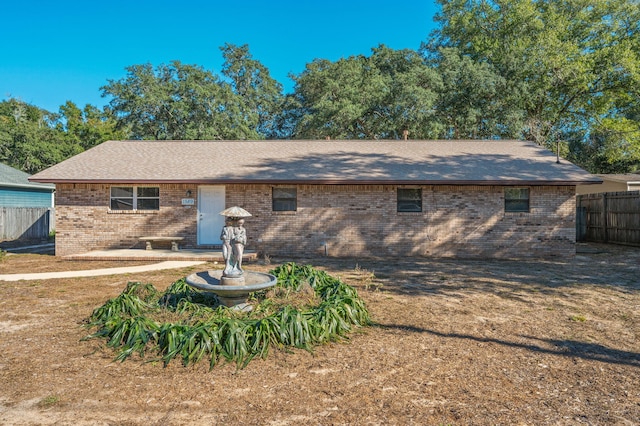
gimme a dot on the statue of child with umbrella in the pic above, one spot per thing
(234, 238)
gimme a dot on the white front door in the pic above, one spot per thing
(210, 222)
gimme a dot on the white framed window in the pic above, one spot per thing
(135, 198)
(516, 200)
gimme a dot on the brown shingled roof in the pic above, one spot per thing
(318, 161)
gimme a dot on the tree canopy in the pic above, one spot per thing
(571, 69)
(32, 139)
(561, 73)
(179, 101)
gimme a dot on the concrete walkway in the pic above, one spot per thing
(97, 272)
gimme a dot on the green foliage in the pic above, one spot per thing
(136, 320)
(251, 81)
(568, 68)
(32, 139)
(578, 318)
(28, 138)
(375, 97)
(178, 101)
(49, 401)
(612, 147)
(472, 103)
(554, 72)
(88, 127)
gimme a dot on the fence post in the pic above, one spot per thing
(581, 220)
(605, 222)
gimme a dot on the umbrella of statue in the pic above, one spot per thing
(235, 211)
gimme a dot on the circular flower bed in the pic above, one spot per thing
(307, 307)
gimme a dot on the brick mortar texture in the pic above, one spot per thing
(340, 220)
(86, 222)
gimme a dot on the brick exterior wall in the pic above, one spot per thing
(339, 220)
(86, 222)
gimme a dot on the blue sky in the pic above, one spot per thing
(52, 51)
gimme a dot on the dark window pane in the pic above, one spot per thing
(284, 205)
(285, 193)
(517, 205)
(409, 200)
(121, 191)
(516, 193)
(148, 204)
(148, 192)
(516, 199)
(284, 199)
(134, 198)
(409, 206)
(122, 204)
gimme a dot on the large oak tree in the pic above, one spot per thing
(571, 66)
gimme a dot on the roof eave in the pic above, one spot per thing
(500, 182)
(27, 186)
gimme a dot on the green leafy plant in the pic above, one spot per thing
(307, 307)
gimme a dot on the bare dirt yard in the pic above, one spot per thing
(455, 342)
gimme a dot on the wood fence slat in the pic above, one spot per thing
(25, 222)
(609, 217)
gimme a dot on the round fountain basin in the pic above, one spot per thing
(231, 295)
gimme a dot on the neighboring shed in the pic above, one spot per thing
(505, 199)
(25, 207)
(612, 183)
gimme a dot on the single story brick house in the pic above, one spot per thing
(496, 199)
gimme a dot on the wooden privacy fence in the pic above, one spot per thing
(26, 222)
(609, 217)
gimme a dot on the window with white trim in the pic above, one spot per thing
(135, 198)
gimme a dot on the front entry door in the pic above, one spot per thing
(210, 222)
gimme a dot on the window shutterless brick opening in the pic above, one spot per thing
(409, 200)
(284, 199)
(516, 200)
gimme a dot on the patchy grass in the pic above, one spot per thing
(480, 347)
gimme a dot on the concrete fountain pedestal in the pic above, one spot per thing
(231, 291)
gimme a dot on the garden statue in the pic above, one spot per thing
(232, 285)
(238, 242)
(234, 238)
(227, 250)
